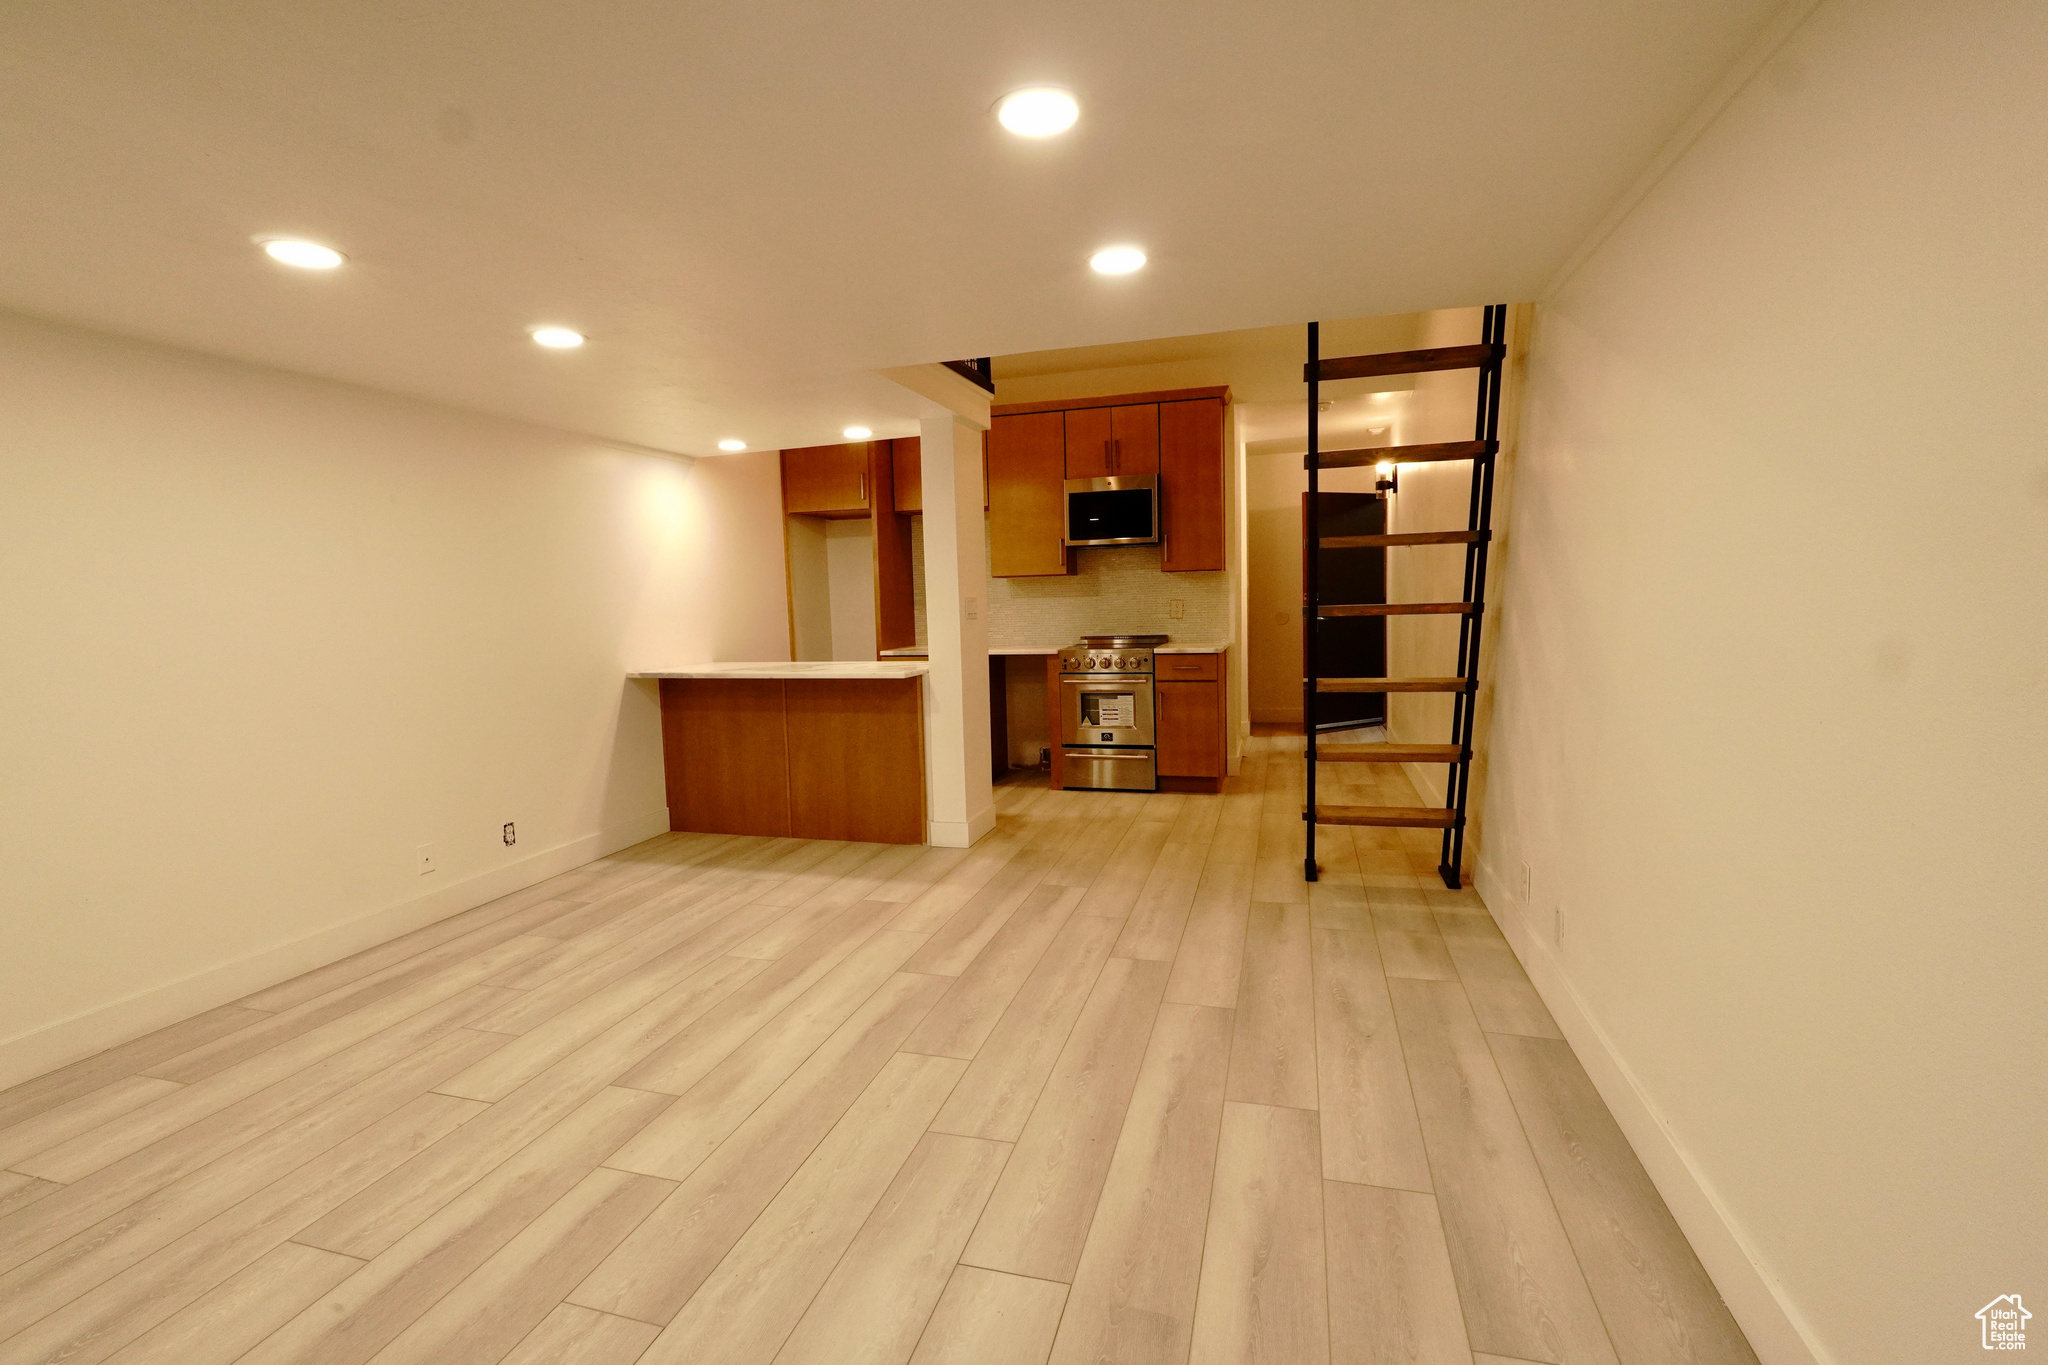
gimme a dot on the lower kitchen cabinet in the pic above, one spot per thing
(813, 758)
(1191, 721)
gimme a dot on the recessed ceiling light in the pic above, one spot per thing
(557, 338)
(732, 445)
(1039, 111)
(1117, 260)
(856, 433)
(304, 255)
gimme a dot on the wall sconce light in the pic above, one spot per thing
(1390, 478)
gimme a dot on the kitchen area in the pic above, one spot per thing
(1106, 603)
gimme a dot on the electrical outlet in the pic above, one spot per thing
(1177, 608)
(972, 606)
(511, 834)
(426, 852)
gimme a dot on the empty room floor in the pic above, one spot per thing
(1113, 1085)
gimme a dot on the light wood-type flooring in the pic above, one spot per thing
(1113, 1085)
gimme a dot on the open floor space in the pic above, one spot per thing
(1115, 1084)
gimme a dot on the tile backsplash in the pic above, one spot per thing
(1113, 590)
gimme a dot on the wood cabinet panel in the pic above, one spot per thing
(1026, 497)
(907, 467)
(895, 590)
(1134, 440)
(856, 759)
(827, 480)
(1191, 485)
(1187, 667)
(1191, 717)
(1054, 723)
(726, 754)
(998, 716)
(1088, 434)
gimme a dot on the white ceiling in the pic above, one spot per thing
(751, 206)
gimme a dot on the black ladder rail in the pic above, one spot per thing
(1489, 357)
(1314, 552)
(1465, 706)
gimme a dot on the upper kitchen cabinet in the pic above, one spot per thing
(1027, 495)
(827, 481)
(906, 462)
(1175, 435)
(1190, 454)
(1104, 442)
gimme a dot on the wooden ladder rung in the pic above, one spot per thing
(1389, 753)
(1396, 609)
(1406, 817)
(1429, 454)
(1396, 685)
(1407, 538)
(1407, 362)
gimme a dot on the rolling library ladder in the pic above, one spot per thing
(1487, 357)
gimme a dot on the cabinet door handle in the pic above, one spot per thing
(863, 486)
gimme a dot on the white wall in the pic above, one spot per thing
(1773, 704)
(265, 635)
(850, 576)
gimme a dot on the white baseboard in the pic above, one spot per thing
(960, 833)
(1429, 785)
(1777, 1331)
(45, 1049)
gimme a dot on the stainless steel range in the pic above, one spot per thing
(1106, 706)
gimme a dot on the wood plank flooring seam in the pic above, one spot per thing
(788, 1172)
(1376, 1185)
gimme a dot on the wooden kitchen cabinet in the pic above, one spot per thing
(828, 481)
(1102, 442)
(1134, 440)
(1027, 496)
(895, 587)
(1087, 441)
(1190, 455)
(810, 758)
(726, 755)
(906, 463)
(855, 751)
(1032, 448)
(1191, 717)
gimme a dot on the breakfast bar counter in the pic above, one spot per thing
(809, 750)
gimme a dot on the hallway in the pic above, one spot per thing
(1115, 1084)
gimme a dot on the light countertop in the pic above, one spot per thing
(886, 668)
(1020, 651)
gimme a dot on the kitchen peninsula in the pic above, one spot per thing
(804, 750)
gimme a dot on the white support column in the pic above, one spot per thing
(959, 802)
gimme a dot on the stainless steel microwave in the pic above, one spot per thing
(1116, 511)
